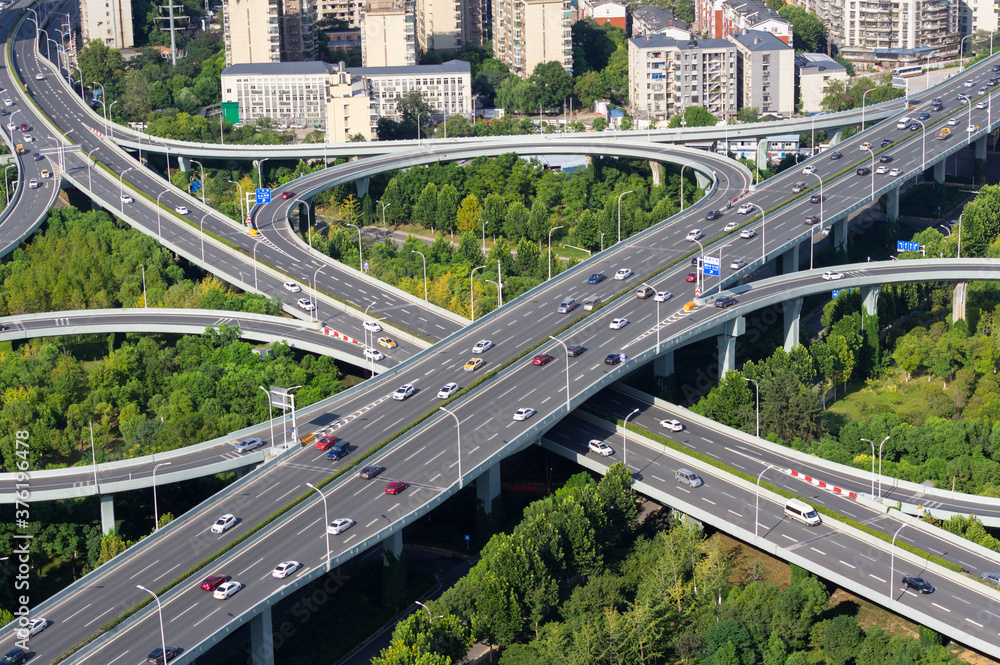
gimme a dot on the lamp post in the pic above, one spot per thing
(203, 236)
(156, 512)
(870, 443)
(364, 317)
(29, 9)
(270, 418)
(496, 284)
(700, 268)
(428, 611)
(260, 176)
(326, 522)
(472, 292)
(424, 259)
(619, 218)
(121, 188)
(757, 385)
(602, 241)
(681, 186)
(923, 144)
(625, 440)
(255, 246)
(961, 53)
(159, 610)
(384, 206)
(111, 119)
(195, 161)
(242, 198)
(863, 108)
(821, 217)
(657, 314)
(892, 554)
(62, 150)
(458, 430)
(872, 170)
(143, 285)
(5, 186)
(756, 514)
(90, 182)
(763, 234)
(566, 348)
(880, 465)
(554, 228)
(315, 298)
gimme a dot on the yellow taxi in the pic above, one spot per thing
(387, 342)
(45, 173)
(474, 364)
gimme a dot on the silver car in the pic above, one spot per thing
(246, 445)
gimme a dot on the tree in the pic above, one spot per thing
(111, 546)
(981, 221)
(101, 63)
(447, 208)
(809, 31)
(590, 87)
(748, 114)
(493, 213)
(425, 211)
(553, 84)
(841, 639)
(469, 215)
(694, 116)
(515, 224)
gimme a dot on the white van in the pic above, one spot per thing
(903, 123)
(802, 512)
(567, 305)
(689, 478)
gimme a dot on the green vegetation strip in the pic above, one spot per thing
(701, 457)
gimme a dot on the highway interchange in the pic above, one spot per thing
(426, 458)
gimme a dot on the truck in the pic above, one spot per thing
(944, 133)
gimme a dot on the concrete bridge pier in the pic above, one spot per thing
(727, 343)
(663, 364)
(107, 513)
(362, 186)
(488, 488)
(262, 638)
(836, 137)
(980, 144)
(791, 309)
(840, 234)
(657, 169)
(392, 548)
(789, 261)
(869, 295)
(958, 301)
(939, 172)
(183, 163)
(704, 182)
(892, 203)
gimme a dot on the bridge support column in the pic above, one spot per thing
(840, 235)
(657, 169)
(727, 344)
(870, 299)
(980, 147)
(835, 138)
(892, 203)
(958, 301)
(663, 365)
(761, 156)
(939, 172)
(489, 502)
(107, 513)
(789, 261)
(362, 186)
(183, 163)
(704, 182)
(392, 548)
(792, 309)
(262, 638)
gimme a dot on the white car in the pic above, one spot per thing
(694, 234)
(624, 273)
(374, 354)
(980, 106)
(11, 126)
(895, 173)
(809, 169)
(746, 234)
(618, 324)
(599, 447)
(8, 102)
(39, 77)
(953, 121)
(972, 129)
(745, 209)
(28, 138)
(181, 210)
(226, 589)
(372, 326)
(833, 275)
(126, 198)
(32, 184)
(306, 304)
(340, 525)
(33, 627)
(881, 169)
(246, 445)
(404, 391)
(738, 264)
(983, 90)
(524, 413)
(482, 345)
(285, 568)
(663, 296)
(730, 226)
(447, 390)
(292, 287)
(223, 523)
(970, 83)
(672, 425)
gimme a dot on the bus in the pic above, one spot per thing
(907, 72)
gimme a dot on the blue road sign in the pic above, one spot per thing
(836, 291)
(711, 266)
(195, 185)
(263, 194)
(906, 246)
(366, 266)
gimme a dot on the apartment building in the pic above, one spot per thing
(528, 32)
(348, 11)
(286, 35)
(978, 15)
(668, 75)
(109, 21)
(447, 88)
(765, 73)
(814, 72)
(349, 107)
(650, 20)
(439, 25)
(286, 92)
(388, 34)
(614, 12)
(721, 18)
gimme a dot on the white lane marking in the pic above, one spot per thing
(473, 450)
(394, 506)
(708, 501)
(876, 578)
(848, 565)
(729, 495)
(435, 457)
(790, 538)
(373, 422)
(435, 478)
(209, 615)
(735, 513)
(963, 600)
(974, 623)
(867, 557)
(125, 653)
(372, 522)
(349, 538)
(183, 613)
(145, 569)
(546, 399)
(940, 607)
(267, 490)
(66, 620)
(294, 489)
(161, 574)
(306, 528)
(98, 617)
(707, 440)
(250, 566)
(660, 479)
(361, 490)
(414, 454)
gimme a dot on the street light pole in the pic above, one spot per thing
(384, 206)
(923, 144)
(758, 403)
(202, 235)
(195, 161)
(270, 417)
(681, 187)
(863, 108)
(619, 218)
(566, 348)
(90, 182)
(458, 430)
(315, 298)
(625, 440)
(144, 305)
(880, 465)
(892, 556)
(260, 177)
(869, 441)
(159, 610)
(960, 235)
(554, 228)
(156, 512)
(961, 53)
(121, 188)
(242, 198)
(472, 292)
(657, 314)
(326, 522)
(872, 170)
(756, 515)
(424, 259)
(821, 217)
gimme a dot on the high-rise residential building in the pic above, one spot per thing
(765, 73)
(388, 34)
(285, 35)
(720, 18)
(348, 11)
(978, 15)
(109, 21)
(814, 72)
(440, 25)
(447, 88)
(614, 12)
(668, 75)
(529, 32)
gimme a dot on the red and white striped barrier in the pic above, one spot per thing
(95, 132)
(337, 335)
(821, 484)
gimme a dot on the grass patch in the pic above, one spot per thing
(927, 199)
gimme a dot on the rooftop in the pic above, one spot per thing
(657, 18)
(277, 68)
(660, 41)
(821, 61)
(759, 40)
(450, 67)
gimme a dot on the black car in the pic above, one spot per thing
(725, 301)
(573, 350)
(596, 278)
(712, 215)
(338, 450)
(886, 142)
(836, 155)
(885, 159)
(914, 126)
(815, 198)
(696, 261)
(4, 112)
(14, 657)
(996, 68)
(918, 583)
(371, 471)
(612, 359)
(38, 157)
(864, 170)
(155, 656)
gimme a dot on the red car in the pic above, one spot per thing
(542, 359)
(287, 195)
(325, 442)
(692, 277)
(396, 486)
(24, 127)
(213, 581)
